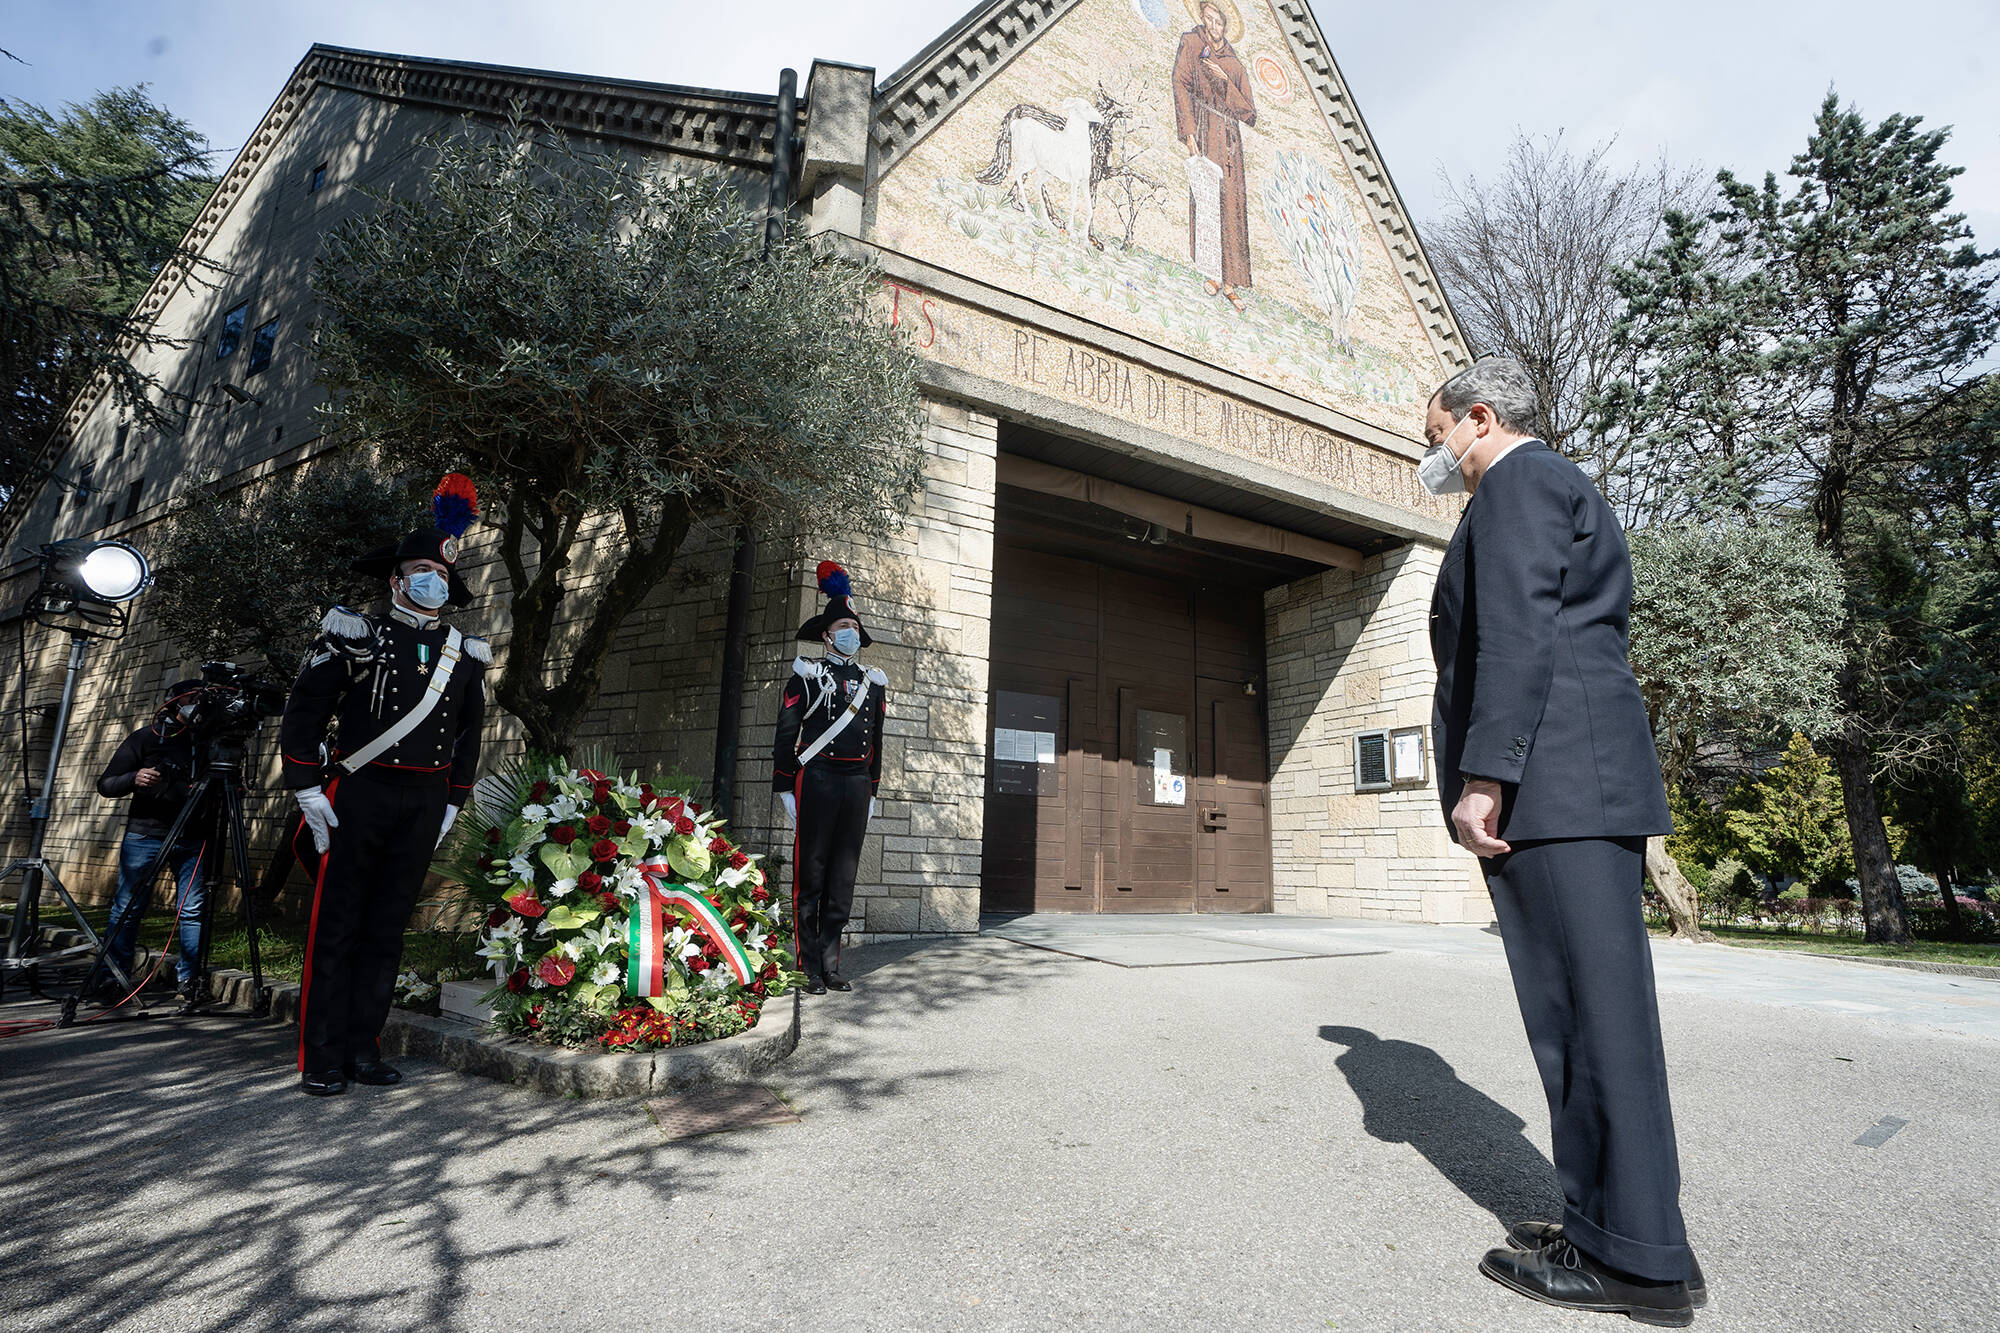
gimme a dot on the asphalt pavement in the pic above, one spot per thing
(1005, 1135)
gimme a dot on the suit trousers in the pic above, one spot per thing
(833, 820)
(1576, 942)
(366, 886)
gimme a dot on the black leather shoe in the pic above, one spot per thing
(1560, 1274)
(327, 1084)
(374, 1073)
(814, 986)
(1534, 1235)
(834, 981)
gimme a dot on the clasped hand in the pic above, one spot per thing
(1477, 818)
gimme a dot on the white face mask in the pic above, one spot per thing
(847, 641)
(427, 588)
(1438, 471)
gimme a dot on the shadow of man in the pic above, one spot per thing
(1409, 1094)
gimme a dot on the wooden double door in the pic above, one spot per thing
(1127, 768)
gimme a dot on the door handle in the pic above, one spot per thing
(1212, 820)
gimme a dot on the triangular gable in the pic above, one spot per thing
(1340, 305)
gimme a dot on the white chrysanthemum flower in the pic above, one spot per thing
(510, 929)
(535, 814)
(535, 981)
(605, 974)
(562, 888)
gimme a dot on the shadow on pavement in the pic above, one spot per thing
(1410, 1094)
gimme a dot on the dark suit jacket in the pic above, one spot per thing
(1528, 627)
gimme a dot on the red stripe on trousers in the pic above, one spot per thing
(798, 826)
(312, 931)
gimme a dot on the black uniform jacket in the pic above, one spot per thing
(1528, 627)
(166, 746)
(363, 674)
(815, 697)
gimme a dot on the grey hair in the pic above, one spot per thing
(1501, 383)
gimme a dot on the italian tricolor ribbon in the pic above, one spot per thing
(645, 932)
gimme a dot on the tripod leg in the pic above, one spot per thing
(239, 845)
(161, 858)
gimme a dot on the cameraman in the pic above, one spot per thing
(155, 767)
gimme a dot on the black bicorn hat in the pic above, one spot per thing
(454, 505)
(833, 581)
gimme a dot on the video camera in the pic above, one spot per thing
(230, 701)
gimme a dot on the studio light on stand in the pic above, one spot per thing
(86, 590)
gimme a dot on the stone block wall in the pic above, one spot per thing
(1349, 651)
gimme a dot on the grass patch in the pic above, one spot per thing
(1923, 951)
(281, 946)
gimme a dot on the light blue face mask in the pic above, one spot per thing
(428, 589)
(847, 641)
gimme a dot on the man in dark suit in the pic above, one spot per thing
(1548, 774)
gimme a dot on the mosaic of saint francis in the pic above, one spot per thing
(1211, 102)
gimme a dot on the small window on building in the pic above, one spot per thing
(132, 494)
(110, 514)
(318, 179)
(84, 490)
(118, 440)
(260, 346)
(232, 332)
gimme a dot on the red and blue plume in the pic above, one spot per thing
(833, 580)
(455, 503)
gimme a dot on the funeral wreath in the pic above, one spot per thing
(618, 913)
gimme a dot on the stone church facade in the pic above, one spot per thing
(1156, 626)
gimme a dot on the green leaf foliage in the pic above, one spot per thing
(1789, 821)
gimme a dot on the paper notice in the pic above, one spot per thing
(1045, 747)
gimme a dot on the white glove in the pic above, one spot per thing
(791, 808)
(450, 815)
(319, 816)
(872, 804)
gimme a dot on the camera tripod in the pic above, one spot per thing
(216, 797)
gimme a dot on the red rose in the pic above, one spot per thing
(493, 835)
(496, 917)
(538, 793)
(526, 903)
(590, 881)
(770, 972)
(719, 845)
(603, 850)
(600, 794)
(563, 834)
(684, 826)
(622, 827)
(555, 969)
(609, 901)
(737, 860)
(698, 963)
(518, 982)
(757, 988)
(645, 789)
(598, 824)
(760, 894)
(695, 808)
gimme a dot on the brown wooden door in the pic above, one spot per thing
(1232, 802)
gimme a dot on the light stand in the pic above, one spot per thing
(83, 591)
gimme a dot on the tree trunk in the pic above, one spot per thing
(1954, 923)
(1683, 904)
(1874, 867)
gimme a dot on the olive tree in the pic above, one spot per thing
(614, 352)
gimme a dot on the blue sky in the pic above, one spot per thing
(1717, 82)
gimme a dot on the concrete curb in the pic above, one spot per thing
(1914, 965)
(557, 1070)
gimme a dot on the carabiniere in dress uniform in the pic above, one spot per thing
(381, 746)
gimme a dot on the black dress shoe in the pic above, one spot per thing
(814, 986)
(1534, 1235)
(834, 981)
(374, 1073)
(327, 1084)
(1560, 1274)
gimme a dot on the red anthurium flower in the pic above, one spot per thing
(563, 834)
(598, 824)
(673, 807)
(555, 969)
(603, 850)
(526, 903)
(590, 881)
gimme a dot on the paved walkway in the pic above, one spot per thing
(1969, 1005)
(1002, 1137)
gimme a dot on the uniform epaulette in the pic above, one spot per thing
(878, 678)
(342, 623)
(806, 666)
(479, 650)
